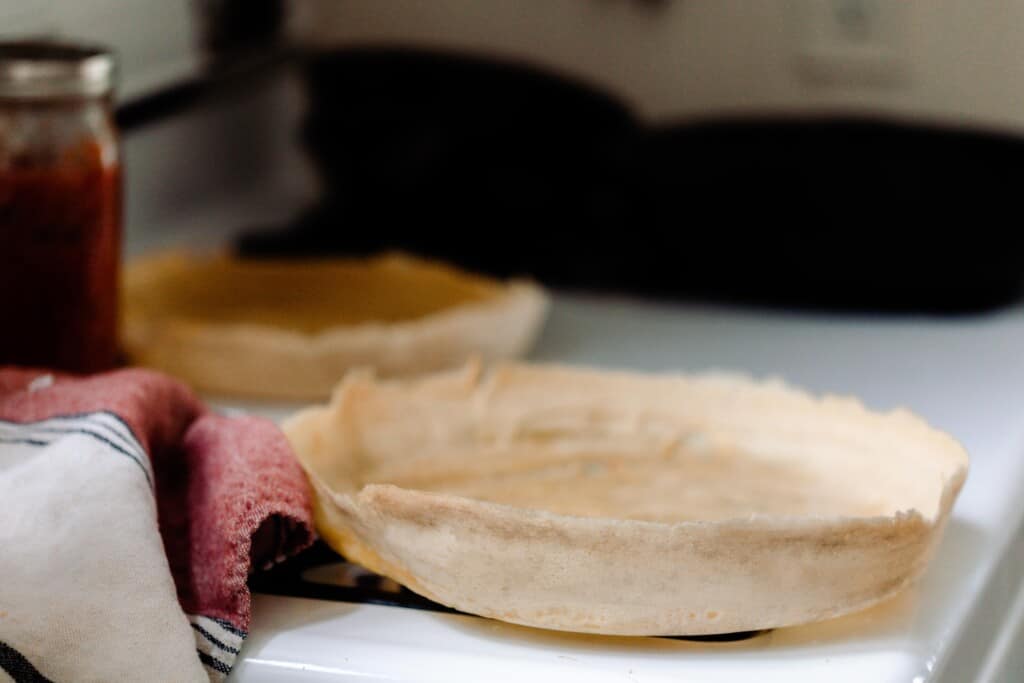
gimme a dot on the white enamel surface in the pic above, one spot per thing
(964, 375)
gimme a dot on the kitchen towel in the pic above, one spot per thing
(130, 519)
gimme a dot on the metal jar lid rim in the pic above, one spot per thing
(40, 69)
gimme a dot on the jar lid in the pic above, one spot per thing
(55, 69)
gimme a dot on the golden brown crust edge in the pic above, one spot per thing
(265, 362)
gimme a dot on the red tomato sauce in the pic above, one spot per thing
(60, 236)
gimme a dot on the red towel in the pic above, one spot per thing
(229, 493)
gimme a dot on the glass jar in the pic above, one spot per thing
(60, 207)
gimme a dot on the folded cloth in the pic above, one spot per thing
(130, 519)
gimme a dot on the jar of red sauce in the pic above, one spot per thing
(60, 207)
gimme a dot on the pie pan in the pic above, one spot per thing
(290, 329)
(630, 504)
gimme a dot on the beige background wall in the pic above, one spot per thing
(947, 60)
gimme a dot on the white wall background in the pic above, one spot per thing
(155, 40)
(952, 61)
(959, 61)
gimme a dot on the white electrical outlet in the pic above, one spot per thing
(853, 41)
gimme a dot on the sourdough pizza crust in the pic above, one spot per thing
(291, 329)
(627, 504)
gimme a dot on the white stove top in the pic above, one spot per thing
(961, 622)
